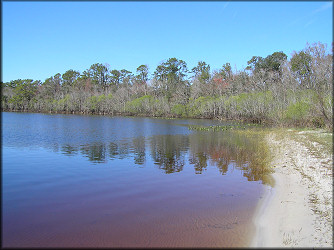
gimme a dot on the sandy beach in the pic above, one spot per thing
(297, 211)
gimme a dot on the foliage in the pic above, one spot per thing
(270, 63)
(99, 74)
(169, 76)
(270, 90)
(180, 110)
(24, 93)
(301, 63)
(70, 77)
(202, 72)
(142, 74)
(297, 111)
(140, 105)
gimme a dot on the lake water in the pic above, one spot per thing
(99, 181)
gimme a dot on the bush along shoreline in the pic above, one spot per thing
(271, 90)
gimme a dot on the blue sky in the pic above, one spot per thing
(41, 39)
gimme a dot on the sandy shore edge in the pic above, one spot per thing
(297, 211)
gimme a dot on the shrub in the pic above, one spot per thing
(297, 111)
(200, 107)
(140, 105)
(179, 110)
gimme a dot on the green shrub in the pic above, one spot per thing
(92, 102)
(200, 106)
(179, 110)
(140, 105)
(62, 104)
(297, 111)
(101, 98)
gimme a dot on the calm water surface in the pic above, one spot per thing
(97, 181)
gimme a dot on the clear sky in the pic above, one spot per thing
(41, 39)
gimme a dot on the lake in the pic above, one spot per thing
(100, 181)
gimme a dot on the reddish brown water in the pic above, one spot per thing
(89, 182)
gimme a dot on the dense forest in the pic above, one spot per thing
(271, 90)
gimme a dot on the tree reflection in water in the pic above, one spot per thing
(139, 150)
(230, 149)
(171, 153)
(168, 151)
(95, 152)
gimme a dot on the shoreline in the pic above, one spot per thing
(297, 211)
(128, 114)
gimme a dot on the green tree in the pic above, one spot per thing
(69, 78)
(142, 74)
(170, 75)
(301, 65)
(51, 86)
(115, 77)
(173, 70)
(226, 71)
(24, 93)
(266, 71)
(270, 63)
(202, 72)
(99, 74)
(274, 61)
(13, 83)
(125, 77)
(255, 64)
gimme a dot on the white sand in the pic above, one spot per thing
(297, 212)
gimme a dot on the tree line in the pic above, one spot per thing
(270, 90)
